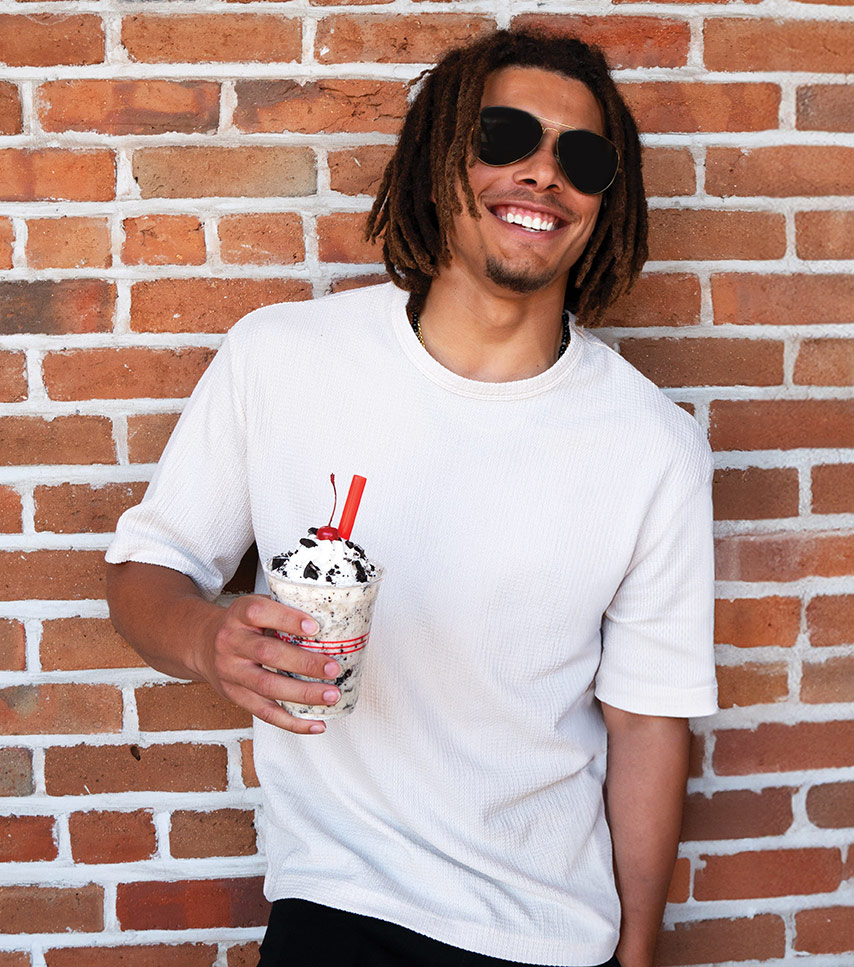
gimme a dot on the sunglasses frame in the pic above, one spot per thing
(561, 129)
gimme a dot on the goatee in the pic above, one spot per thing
(504, 276)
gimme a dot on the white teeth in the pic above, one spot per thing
(535, 223)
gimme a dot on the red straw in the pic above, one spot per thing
(348, 515)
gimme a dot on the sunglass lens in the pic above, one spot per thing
(507, 135)
(590, 161)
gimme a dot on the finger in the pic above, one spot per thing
(275, 653)
(283, 688)
(273, 714)
(261, 612)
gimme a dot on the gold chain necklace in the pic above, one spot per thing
(564, 342)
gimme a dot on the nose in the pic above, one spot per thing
(541, 169)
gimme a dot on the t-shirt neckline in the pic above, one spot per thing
(472, 388)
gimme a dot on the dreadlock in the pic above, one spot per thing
(418, 198)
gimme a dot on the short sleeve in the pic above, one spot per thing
(657, 633)
(195, 517)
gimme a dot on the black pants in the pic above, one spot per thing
(301, 932)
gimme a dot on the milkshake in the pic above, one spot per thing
(331, 578)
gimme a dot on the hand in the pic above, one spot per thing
(237, 648)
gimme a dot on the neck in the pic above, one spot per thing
(493, 337)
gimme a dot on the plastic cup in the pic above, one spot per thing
(343, 613)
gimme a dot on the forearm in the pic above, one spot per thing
(647, 772)
(162, 615)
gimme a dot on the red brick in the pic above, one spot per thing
(10, 109)
(680, 882)
(706, 362)
(781, 424)
(721, 941)
(825, 107)
(755, 493)
(68, 243)
(341, 238)
(206, 305)
(347, 283)
(780, 171)
(69, 644)
(164, 240)
(830, 619)
(14, 958)
(56, 308)
(83, 508)
(833, 488)
(758, 622)
(737, 814)
(358, 170)
(752, 684)
(171, 955)
(263, 239)
(10, 511)
(60, 709)
(421, 39)
(7, 240)
(46, 39)
(112, 836)
(220, 832)
(51, 909)
(829, 681)
(13, 640)
(827, 930)
(194, 171)
(778, 45)
(825, 235)
(26, 839)
(219, 37)
(189, 904)
(668, 172)
(781, 872)
(627, 42)
(245, 954)
(13, 377)
(57, 174)
(182, 706)
(46, 575)
(666, 106)
(247, 764)
(775, 747)
(784, 556)
(825, 362)
(89, 769)
(129, 373)
(129, 107)
(658, 299)
(65, 439)
(319, 106)
(831, 805)
(696, 235)
(147, 435)
(16, 772)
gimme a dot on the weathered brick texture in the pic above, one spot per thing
(163, 172)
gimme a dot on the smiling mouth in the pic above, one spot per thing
(532, 221)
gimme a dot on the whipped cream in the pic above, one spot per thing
(314, 561)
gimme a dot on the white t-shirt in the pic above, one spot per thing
(544, 540)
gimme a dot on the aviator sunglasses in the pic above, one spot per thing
(508, 135)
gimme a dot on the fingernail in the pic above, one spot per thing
(309, 626)
(331, 696)
(317, 728)
(331, 669)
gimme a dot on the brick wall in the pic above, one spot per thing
(164, 167)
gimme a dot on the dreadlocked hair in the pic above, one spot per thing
(419, 195)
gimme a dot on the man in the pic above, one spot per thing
(543, 515)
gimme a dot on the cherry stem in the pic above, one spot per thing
(335, 492)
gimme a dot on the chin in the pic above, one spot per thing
(516, 280)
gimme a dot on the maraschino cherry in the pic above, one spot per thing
(328, 532)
